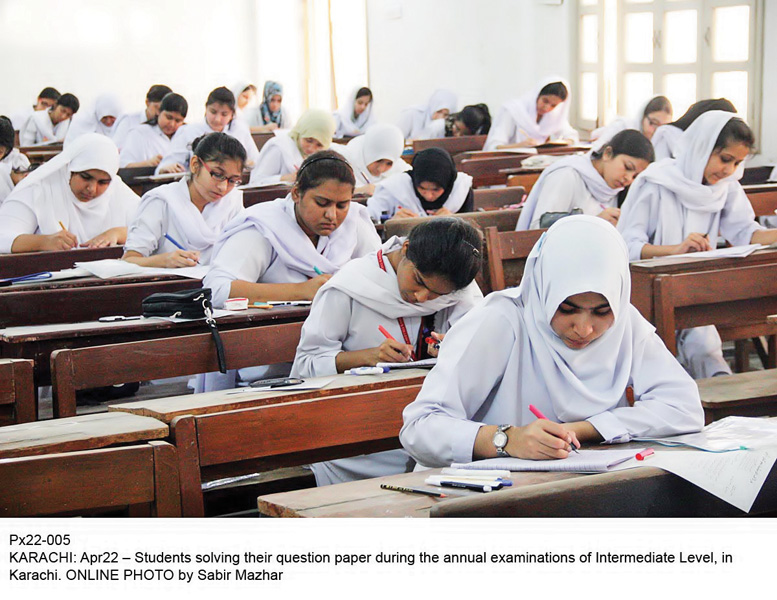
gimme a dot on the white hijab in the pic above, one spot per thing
(14, 160)
(347, 125)
(106, 105)
(684, 203)
(524, 111)
(276, 222)
(46, 191)
(238, 89)
(666, 141)
(363, 280)
(583, 165)
(422, 113)
(381, 142)
(198, 230)
(576, 255)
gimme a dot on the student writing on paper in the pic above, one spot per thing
(589, 182)
(432, 187)
(128, 121)
(48, 126)
(470, 120)
(681, 205)
(219, 117)
(652, 115)
(79, 190)
(270, 114)
(281, 156)
(100, 119)
(414, 122)
(666, 139)
(147, 143)
(426, 279)
(355, 117)
(534, 118)
(13, 164)
(46, 99)
(192, 211)
(271, 250)
(566, 340)
(374, 156)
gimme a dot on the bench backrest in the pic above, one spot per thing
(494, 198)
(17, 392)
(16, 265)
(507, 252)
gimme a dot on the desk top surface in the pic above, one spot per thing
(669, 264)
(91, 281)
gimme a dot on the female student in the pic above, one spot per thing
(280, 157)
(426, 279)
(470, 120)
(416, 120)
(270, 114)
(355, 117)
(192, 211)
(588, 182)
(666, 139)
(681, 205)
(275, 250)
(432, 187)
(13, 164)
(73, 199)
(48, 126)
(374, 156)
(146, 144)
(534, 118)
(655, 113)
(128, 121)
(101, 119)
(219, 117)
(244, 93)
(566, 340)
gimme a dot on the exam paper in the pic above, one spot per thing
(583, 461)
(733, 252)
(107, 268)
(725, 435)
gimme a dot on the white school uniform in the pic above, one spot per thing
(168, 209)
(414, 121)
(569, 183)
(44, 199)
(346, 125)
(345, 316)
(126, 123)
(381, 142)
(266, 244)
(666, 141)
(668, 202)
(19, 118)
(142, 143)
(181, 144)
(516, 120)
(504, 355)
(279, 156)
(398, 190)
(106, 105)
(14, 160)
(40, 130)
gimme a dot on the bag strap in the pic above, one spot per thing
(214, 331)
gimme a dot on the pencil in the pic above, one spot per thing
(385, 333)
(62, 226)
(398, 488)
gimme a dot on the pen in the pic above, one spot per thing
(397, 488)
(538, 413)
(645, 453)
(385, 333)
(173, 242)
(478, 487)
(318, 271)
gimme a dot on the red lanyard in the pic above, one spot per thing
(400, 320)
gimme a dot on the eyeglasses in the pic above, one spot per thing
(218, 177)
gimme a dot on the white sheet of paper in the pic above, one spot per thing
(427, 362)
(74, 273)
(107, 268)
(584, 461)
(733, 252)
(725, 435)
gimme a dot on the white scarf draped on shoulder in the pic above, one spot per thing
(523, 110)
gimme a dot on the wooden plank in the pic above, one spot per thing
(495, 198)
(17, 391)
(506, 253)
(257, 195)
(454, 145)
(503, 220)
(487, 171)
(752, 394)
(16, 265)
(78, 433)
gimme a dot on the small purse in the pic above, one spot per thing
(547, 219)
(187, 304)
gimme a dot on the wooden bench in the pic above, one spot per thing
(454, 145)
(260, 139)
(98, 366)
(17, 392)
(496, 198)
(487, 171)
(265, 193)
(524, 177)
(752, 394)
(506, 253)
(130, 175)
(16, 265)
(280, 435)
(763, 198)
(503, 220)
(79, 482)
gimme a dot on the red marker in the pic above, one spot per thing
(433, 342)
(645, 453)
(386, 333)
(538, 413)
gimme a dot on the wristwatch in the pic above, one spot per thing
(500, 440)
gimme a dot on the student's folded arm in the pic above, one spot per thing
(502, 131)
(381, 201)
(634, 225)
(439, 426)
(16, 220)
(666, 398)
(323, 334)
(738, 225)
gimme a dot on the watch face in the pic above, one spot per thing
(500, 439)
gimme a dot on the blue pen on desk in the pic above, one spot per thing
(24, 278)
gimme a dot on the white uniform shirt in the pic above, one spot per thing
(142, 143)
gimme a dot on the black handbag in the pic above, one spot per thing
(547, 219)
(187, 304)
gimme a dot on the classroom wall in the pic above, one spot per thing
(766, 140)
(486, 51)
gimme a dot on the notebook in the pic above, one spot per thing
(585, 461)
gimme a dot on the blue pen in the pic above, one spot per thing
(173, 242)
(318, 271)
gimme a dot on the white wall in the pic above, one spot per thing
(485, 50)
(766, 139)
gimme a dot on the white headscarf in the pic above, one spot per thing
(237, 89)
(291, 244)
(106, 105)
(346, 124)
(685, 204)
(524, 111)
(422, 113)
(666, 141)
(381, 142)
(576, 255)
(46, 191)
(583, 165)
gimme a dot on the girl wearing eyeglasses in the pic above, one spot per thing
(177, 224)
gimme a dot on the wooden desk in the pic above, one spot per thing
(763, 197)
(85, 432)
(38, 342)
(642, 492)
(130, 175)
(261, 138)
(166, 409)
(17, 393)
(16, 265)
(265, 193)
(497, 198)
(454, 145)
(752, 394)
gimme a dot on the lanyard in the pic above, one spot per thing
(400, 320)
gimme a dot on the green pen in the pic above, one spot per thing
(318, 271)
